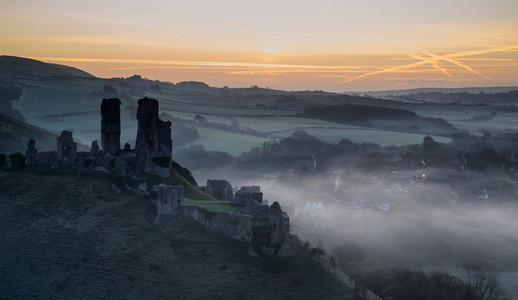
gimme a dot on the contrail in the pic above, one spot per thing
(434, 64)
(458, 63)
(448, 57)
(396, 68)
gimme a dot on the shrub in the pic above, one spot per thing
(17, 161)
(3, 158)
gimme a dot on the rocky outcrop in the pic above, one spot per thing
(110, 125)
(280, 224)
(94, 148)
(170, 199)
(290, 247)
(32, 153)
(220, 189)
(246, 194)
(252, 252)
(268, 251)
(153, 134)
(66, 148)
(234, 226)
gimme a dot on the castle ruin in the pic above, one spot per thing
(110, 125)
(153, 134)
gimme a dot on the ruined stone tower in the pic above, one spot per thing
(31, 153)
(280, 224)
(153, 134)
(111, 125)
(66, 148)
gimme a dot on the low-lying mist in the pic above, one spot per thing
(428, 225)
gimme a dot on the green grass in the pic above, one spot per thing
(222, 140)
(381, 137)
(284, 123)
(69, 237)
(216, 206)
(190, 191)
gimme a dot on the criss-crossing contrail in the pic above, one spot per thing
(458, 63)
(433, 60)
(434, 63)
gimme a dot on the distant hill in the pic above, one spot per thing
(15, 134)
(70, 236)
(380, 117)
(471, 90)
(18, 67)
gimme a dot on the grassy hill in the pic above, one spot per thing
(18, 66)
(15, 134)
(66, 236)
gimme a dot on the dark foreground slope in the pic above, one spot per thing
(68, 236)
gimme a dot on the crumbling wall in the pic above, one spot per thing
(247, 193)
(66, 148)
(32, 153)
(220, 189)
(234, 226)
(110, 125)
(153, 134)
(170, 198)
(251, 207)
(280, 224)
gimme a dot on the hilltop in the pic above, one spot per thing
(14, 66)
(14, 135)
(67, 234)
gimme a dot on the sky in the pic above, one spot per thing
(331, 45)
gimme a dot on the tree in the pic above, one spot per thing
(481, 285)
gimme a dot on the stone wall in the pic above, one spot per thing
(32, 153)
(153, 134)
(170, 198)
(256, 210)
(234, 226)
(280, 224)
(220, 189)
(246, 193)
(66, 148)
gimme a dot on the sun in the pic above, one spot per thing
(270, 50)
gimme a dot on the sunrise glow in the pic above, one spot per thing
(294, 45)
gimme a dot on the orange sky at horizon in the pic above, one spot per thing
(350, 45)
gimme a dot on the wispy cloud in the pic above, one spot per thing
(272, 32)
(163, 64)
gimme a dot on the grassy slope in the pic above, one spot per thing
(70, 236)
(15, 134)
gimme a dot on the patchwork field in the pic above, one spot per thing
(73, 104)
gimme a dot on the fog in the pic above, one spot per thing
(428, 225)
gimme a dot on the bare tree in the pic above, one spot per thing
(481, 285)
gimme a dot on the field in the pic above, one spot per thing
(57, 104)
